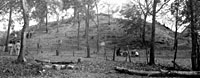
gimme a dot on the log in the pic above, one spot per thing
(160, 73)
(62, 62)
(135, 72)
(44, 61)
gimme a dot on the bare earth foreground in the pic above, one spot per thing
(94, 67)
(88, 68)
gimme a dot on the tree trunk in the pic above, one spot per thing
(193, 54)
(97, 27)
(78, 37)
(147, 54)
(41, 22)
(87, 31)
(114, 53)
(196, 14)
(74, 18)
(58, 23)
(8, 32)
(198, 55)
(46, 19)
(175, 36)
(21, 58)
(143, 31)
(108, 14)
(152, 56)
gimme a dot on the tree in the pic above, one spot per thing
(191, 12)
(25, 9)
(3, 3)
(46, 18)
(145, 11)
(9, 25)
(107, 5)
(152, 56)
(40, 11)
(80, 14)
(88, 6)
(197, 21)
(97, 16)
(8, 6)
(152, 47)
(77, 6)
(175, 11)
(56, 8)
(87, 12)
(77, 10)
(193, 36)
(133, 14)
(78, 34)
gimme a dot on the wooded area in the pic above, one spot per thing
(151, 32)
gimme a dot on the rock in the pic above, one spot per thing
(59, 67)
(70, 66)
(47, 66)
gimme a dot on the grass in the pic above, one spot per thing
(94, 67)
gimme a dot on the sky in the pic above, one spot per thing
(163, 19)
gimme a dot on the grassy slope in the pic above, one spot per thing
(68, 34)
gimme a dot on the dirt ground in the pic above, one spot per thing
(94, 67)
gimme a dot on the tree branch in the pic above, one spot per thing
(2, 5)
(94, 22)
(146, 7)
(162, 6)
(140, 5)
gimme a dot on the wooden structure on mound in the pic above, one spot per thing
(161, 73)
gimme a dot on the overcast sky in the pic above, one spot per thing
(166, 19)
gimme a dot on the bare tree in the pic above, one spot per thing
(176, 31)
(97, 9)
(193, 54)
(46, 18)
(87, 29)
(21, 57)
(79, 25)
(145, 10)
(152, 48)
(8, 31)
(152, 56)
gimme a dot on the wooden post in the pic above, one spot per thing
(38, 47)
(147, 54)
(105, 53)
(104, 48)
(73, 53)
(126, 56)
(129, 54)
(59, 42)
(57, 52)
(114, 53)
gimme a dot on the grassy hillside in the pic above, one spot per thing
(112, 34)
(2, 37)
